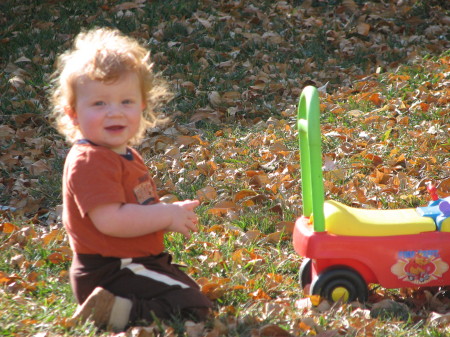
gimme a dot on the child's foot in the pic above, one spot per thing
(105, 310)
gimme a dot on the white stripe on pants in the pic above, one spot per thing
(140, 270)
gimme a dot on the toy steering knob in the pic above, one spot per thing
(444, 207)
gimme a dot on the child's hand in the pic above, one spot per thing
(184, 219)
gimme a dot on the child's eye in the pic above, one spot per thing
(127, 101)
(99, 103)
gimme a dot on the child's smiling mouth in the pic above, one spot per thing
(115, 128)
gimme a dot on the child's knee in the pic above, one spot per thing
(197, 314)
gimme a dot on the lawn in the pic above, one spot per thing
(236, 69)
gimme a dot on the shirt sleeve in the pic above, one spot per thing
(95, 180)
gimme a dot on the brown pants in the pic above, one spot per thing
(153, 284)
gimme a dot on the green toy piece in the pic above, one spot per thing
(311, 156)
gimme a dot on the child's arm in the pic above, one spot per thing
(130, 220)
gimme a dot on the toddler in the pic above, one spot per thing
(103, 100)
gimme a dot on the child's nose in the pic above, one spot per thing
(114, 110)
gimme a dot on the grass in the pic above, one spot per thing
(252, 276)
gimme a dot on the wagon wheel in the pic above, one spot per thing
(340, 284)
(305, 273)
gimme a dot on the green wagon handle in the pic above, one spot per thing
(308, 123)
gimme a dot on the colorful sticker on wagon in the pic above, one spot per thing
(419, 267)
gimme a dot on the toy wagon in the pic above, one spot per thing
(346, 248)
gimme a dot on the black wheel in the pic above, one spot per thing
(305, 272)
(340, 284)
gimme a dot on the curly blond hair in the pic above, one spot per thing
(104, 54)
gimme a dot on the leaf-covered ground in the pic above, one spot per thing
(236, 69)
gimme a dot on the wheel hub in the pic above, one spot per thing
(340, 293)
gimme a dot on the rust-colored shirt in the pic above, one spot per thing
(94, 176)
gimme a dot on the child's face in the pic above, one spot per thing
(109, 114)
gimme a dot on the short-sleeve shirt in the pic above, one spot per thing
(95, 176)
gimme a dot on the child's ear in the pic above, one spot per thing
(69, 111)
